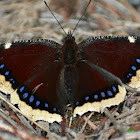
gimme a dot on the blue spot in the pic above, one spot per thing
(114, 89)
(46, 105)
(95, 96)
(102, 94)
(129, 75)
(2, 66)
(138, 60)
(77, 103)
(54, 109)
(7, 72)
(31, 99)
(109, 93)
(25, 95)
(11, 79)
(86, 98)
(37, 103)
(133, 68)
(22, 88)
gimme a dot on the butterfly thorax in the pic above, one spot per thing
(69, 50)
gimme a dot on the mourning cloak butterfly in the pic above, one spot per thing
(43, 77)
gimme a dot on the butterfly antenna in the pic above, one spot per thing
(55, 17)
(81, 16)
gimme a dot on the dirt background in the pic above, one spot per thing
(31, 19)
(28, 19)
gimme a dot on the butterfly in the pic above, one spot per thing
(43, 77)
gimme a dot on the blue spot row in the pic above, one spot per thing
(32, 98)
(109, 92)
(134, 68)
(129, 75)
(7, 73)
(12, 80)
(27, 96)
(102, 94)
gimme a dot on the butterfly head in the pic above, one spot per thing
(69, 37)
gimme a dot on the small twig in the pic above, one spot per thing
(8, 119)
(132, 123)
(74, 134)
(118, 126)
(126, 114)
(110, 133)
(70, 121)
(129, 136)
(86, 123)
(95, 135)
(26, 122)
(90, 123)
